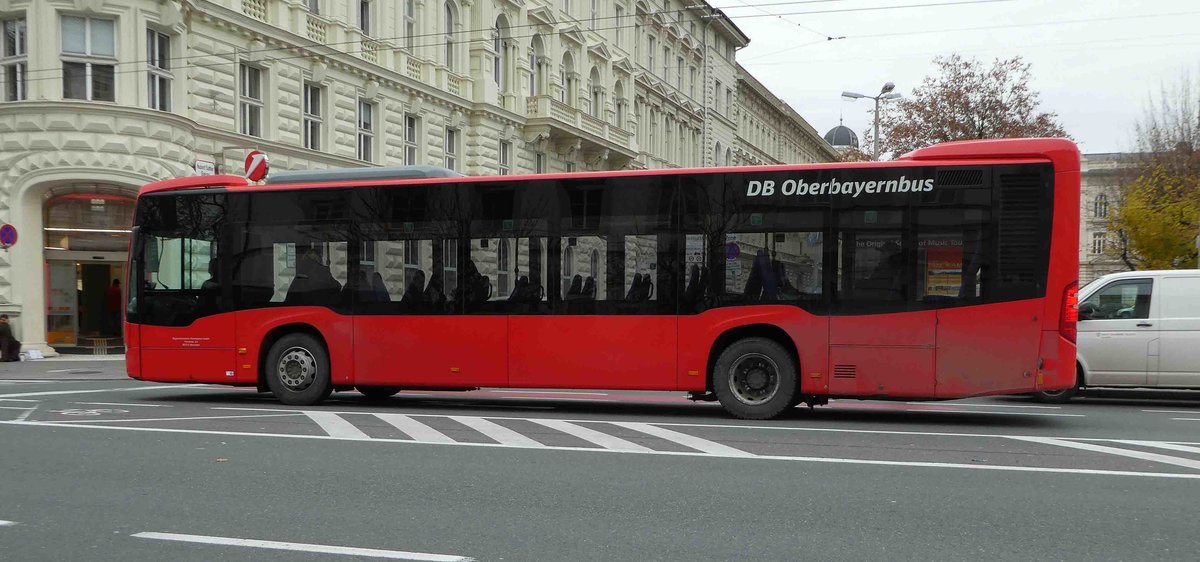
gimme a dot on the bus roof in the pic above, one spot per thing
(1061, 152)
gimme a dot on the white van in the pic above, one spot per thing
(1138, 329)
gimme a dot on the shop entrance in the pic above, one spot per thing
(86, 242)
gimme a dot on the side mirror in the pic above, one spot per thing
(1086, 311)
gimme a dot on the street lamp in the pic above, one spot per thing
(885, 93)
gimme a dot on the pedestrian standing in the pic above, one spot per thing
(112, 308)
(10, 348)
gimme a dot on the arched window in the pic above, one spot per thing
(537, 70)
(502, 44)
(449, 36)
(595, 264)
(566, 76)
(619, 101)
(728, 157)
(596, 91)
(717, 155)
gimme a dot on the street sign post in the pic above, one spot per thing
(256, 165)
(8, 236)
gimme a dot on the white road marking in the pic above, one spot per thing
(820, 460)
(60, 370)
(588, 434)
(336, 426)
(733, 426)
(177, 419)
(1173, 411)
(955, 404)
(499, 433)
(25, 415)
(416, 430)
(4, 523)
(1153, 457)
(1185, 419)
(948, 411)
(121, 404)
(14, 407)
(17, 400)
(303, 547)
(704, 445)
(93, 391)
(1161, 445)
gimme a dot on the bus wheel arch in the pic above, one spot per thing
(1065, 395)
(273, 336)
(768, 346)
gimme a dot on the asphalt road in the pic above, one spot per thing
(95, 466)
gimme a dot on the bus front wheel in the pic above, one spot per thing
(755, 379)
(298, 370)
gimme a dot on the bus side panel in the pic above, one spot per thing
(809, 333)
(200, 352)
(1058, 369)
(618, 352)
(1058, 362)
(336, 330)
(988, 348)
(882, 354)
(444, 351)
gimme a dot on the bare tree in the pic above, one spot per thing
(962, 100)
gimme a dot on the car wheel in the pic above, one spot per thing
(755, 379)
(298, 370)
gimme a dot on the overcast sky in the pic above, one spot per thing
(1097, 75)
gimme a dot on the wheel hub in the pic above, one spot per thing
(754, 379)
(297, 368)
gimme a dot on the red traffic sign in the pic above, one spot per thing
(256, 165)
(8, 235)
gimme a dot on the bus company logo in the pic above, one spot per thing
(790, 187)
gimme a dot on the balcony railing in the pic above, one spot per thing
(256, 9)
(317, 29)
(566, 121)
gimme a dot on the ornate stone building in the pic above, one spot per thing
(98, 97)
(1100, 176)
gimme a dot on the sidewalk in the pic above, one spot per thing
(66, 367)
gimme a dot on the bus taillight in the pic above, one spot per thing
(1070, 312)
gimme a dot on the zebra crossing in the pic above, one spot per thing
(634, 437)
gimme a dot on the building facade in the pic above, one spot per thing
(98, 97)
(1100, 176)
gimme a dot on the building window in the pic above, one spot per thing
(451, 147)
(312, 116)
(1100, 207)
(619, 15)
(729, 102)
(314, 6)
(250, 100)
(13, 60)
(505, 158)
(410, 22)
(570, 167)
(568, 268)
(666, 69)
(364, 16)
(1099, 242)
(449, 37)
(89, 57)
(412, 262)
(692, 82)
(449, 266)
(410, 139)
(679, 73)
(539, 163)
(366, 130)
(653, 46)
(717, 93)
(498, 61)
(158, 59)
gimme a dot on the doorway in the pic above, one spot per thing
(84, 306)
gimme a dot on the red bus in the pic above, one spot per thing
(948, 273)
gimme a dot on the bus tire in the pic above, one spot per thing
(377, 392)
(755, 379)
(298, 370)
(1061, 396)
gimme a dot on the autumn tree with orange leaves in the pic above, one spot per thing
(963, 100)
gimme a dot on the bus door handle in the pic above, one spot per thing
(1144, 324)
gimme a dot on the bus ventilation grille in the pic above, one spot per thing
(959, 177)
(845, 371)
(1020, 232)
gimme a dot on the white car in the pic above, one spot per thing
(1138, 329)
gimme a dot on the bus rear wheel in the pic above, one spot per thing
(298, 370)
(377, 392)
(755, 379)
